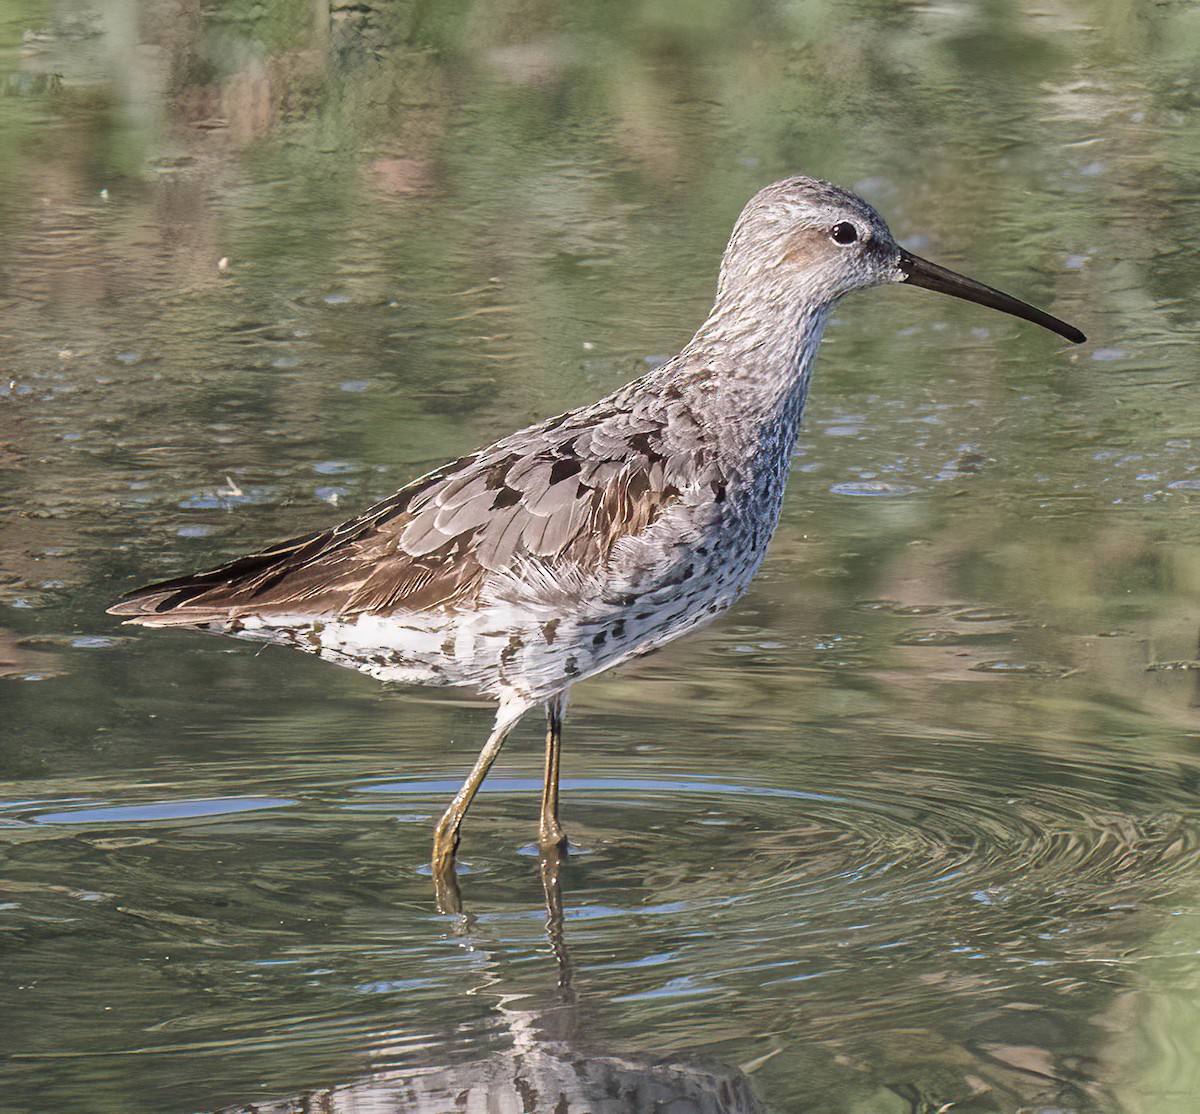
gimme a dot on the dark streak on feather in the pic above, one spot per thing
(395, 557)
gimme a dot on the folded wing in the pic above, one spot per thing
(561, 493)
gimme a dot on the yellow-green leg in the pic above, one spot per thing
(446, 835)
(550, 833)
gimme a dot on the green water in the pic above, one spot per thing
(913, 828)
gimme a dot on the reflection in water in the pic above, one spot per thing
(546, 1064)
(915, 814)
(21, 662)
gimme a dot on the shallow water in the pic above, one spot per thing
(916, 824)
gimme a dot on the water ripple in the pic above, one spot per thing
(891, 839)
(161, 811)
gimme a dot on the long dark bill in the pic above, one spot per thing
(920, 272)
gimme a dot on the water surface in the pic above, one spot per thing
(915, 827)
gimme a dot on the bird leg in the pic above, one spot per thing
(550, 833)
(445, 836)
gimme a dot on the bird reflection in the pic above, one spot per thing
(546, 1068)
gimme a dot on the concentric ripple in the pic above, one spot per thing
(935, 885)
(893, 838)
(942, 887)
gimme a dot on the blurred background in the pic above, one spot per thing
(913, 828)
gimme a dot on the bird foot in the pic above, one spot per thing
(446, 893)
(445, 870)
(553, 841)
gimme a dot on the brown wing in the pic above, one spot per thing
(564, 492)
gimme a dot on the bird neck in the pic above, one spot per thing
(758, 362)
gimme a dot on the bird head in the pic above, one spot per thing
(803, 241)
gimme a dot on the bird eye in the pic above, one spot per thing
(843, 233)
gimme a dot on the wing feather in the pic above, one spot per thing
(562, 494)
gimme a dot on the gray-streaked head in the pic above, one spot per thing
(803, 241)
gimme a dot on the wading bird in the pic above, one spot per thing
(591, 537)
